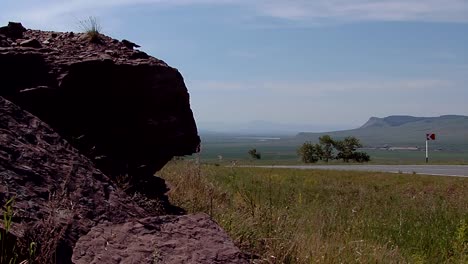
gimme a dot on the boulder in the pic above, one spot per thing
(13, 30)
(162, 239)
(129, 44)
(75, 214)
(58, 194)
(33, 43)
(126, 111)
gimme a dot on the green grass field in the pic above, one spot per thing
(287, 155)
(283, 151)
(307, 216)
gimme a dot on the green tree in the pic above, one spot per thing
(254, 154)
(310, 153)
(327, 144)
(346, 148)
(361, 157)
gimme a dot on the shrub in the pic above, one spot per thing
(254, 154)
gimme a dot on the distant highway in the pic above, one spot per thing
(439, 170)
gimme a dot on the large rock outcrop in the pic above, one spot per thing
(126, 111)
(79, 114)
(75, 214)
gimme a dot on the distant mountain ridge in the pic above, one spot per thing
(398, 120)
(256, 127)
(402, 130)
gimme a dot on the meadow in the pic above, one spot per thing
(307, 216)
(284, 151)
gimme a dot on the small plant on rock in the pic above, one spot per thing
(92, 29)
(9, 248)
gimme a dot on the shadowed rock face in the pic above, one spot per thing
(58, 193)
(75, 213)
(126, 111)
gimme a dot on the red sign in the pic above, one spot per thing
(430, 136)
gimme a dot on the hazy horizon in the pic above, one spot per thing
(327, 64)
(266, 127)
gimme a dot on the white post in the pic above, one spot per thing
(427, 152)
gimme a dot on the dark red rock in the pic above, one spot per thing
(129, 44)
(4, 41)
(59, 194)
(33, 43)
(76, 214)
(138, 55)
(133, 111)
(164, 239)
(13, 30)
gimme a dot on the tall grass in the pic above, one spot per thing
(92, 28)
(297, 216)
(10, 250)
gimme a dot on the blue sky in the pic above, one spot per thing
(330, 64)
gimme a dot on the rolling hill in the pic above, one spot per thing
(406, 131)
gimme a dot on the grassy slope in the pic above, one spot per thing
(295, 216)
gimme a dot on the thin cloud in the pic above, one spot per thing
(220, 86)
(53, 10)
(297, 10)
(365, 10)
(325, 87)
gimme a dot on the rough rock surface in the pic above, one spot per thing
(68, 207)
(125, 110)
(164, 239)
(59, 194)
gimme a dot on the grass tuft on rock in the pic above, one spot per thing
(92, 29)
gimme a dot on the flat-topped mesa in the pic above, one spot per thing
(127, 111)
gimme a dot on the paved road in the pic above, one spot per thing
(439, 170)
